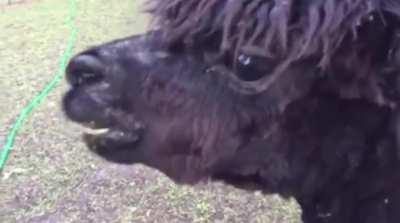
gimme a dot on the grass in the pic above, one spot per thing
(51, 177)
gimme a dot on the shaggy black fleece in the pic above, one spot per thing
(294, 97)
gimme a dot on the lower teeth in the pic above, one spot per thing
(97, 131)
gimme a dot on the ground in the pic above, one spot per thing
(50, 176)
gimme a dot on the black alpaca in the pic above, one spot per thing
(294, 97)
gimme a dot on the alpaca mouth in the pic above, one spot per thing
(107, 136)
(115, 144)
(105, 125)
(98, 137)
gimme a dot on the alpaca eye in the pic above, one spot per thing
(252, 68)
(244, 59)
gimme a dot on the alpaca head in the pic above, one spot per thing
(189, 96)
(173, 110)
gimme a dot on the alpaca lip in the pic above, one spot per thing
(120, 129)
(96, 132)
(110, 138)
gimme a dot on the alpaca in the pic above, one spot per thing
(296, 98)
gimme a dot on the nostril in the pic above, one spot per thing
(83, 69)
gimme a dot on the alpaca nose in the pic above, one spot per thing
(83, 69)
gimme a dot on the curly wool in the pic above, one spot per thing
(286, 29)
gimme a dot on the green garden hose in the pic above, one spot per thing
(24, 114)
